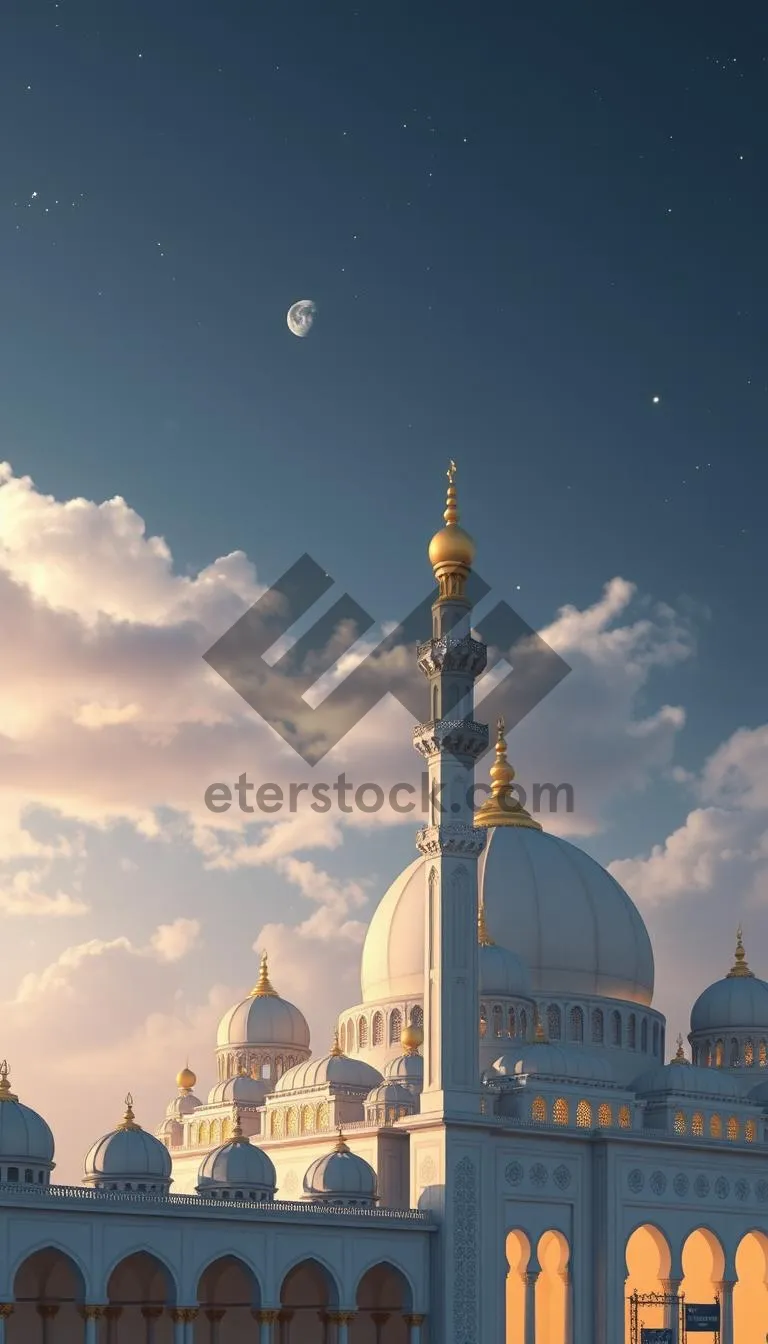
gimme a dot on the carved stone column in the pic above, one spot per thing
(47, 1311)
(190, 1316)
(672, 1309)
(91, 1315)
(112, 1316)
(284, 1319)
(179, 1318)
(380, 1319)
(414, 1324)
(215, 1315)
(6, 1310)
(725, 1289)
(531, 1279)
(151, 1316)
(342, 1320)
(567, 1278)
(267, 1321)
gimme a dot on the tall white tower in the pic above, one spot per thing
(451, 742)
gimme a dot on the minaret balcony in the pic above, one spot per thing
(454, 737)
(466, 656)
(453, 837)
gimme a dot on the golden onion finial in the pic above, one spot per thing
(263, 989)
(186, 1079)
(237, 1129)
(336, 1049)
(341, 1146)
(5, 1087)
(411, 1037)
(483, 936)
(679, 1055)
(129, 1119)
(451, 550)
(502, 808)
(740, 968)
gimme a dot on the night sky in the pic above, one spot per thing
(535, 236)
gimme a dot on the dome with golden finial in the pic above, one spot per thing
(128, 1158)
(739, 1000)
(412, 1037)
(502, 808)
(237, 1170)
(451, 550)
(25, 1139)
(185, 1101)
(341, 1177)
(408, 1068)
(501, 972)
(334, 1070)
(263, 1019)
(186, 1079)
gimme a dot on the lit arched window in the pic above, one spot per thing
(597, 1026)
(733, 1128)
(631, 1031)
(644, 1035)
(215, 1133)
(343, 1038)
(734, 1053)
(539, 1110)
(615, 1028)
(226, 1130)
(708, 1055)
(762, 1054)
(377, 1029)
(498, 1020)
(560, 1111)
(511, 1023)
(655, 1038)
(697, 1124)
(307, 1119)
(719, 1054)
(278, 1124)
(750, 1131)
(604, 1115)
(584, 1115)
(395, 1026)
(749, 1054)
(205, 1134)
(362, 1032)
(323, 1116)
(680, 1122)
(194, 1136)
(292, 1122)
(523, 1024)
(350, 1035)
(715, 1127)
(483, 1020)
(577, 1024)
(554, 1022)
(625, 1118)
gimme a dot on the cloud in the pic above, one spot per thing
(171, 942)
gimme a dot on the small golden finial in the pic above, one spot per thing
(186, 1079)
(740, 968)
(336, 1049)
(129, 1119)
(5, 1087)
(483, 936)
(451, 550)
(263, 989)
(679, 1056)
(237, 1129)
(411, 1037)
(539, 1035)
(341, 1146)
(502, 808)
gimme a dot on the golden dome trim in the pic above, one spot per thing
(341, 1146)
(5, 1087)
(740, 969)
(263, 989)
(451, 550)
(501, 808)
(237, 1135)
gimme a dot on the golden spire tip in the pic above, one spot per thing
(740, 969)
(5, 1087)
(336, 1048)
(341, 1146)
(129, 1119)
(483, 937)
(263, 988)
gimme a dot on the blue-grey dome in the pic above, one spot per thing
(238, 1167)
(738, 1001)
(128, 1158)
(407, 1069)
(25, 1138)
(502, 973)
(549, 1060)
(340, 1177)
(689, 1079)
(391, 1093)
(239, 1091)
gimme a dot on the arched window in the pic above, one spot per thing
(511, 1023)
(417, 1016)
(625, 1117)
(616, 1033)
(577, 1024)
(539, 1110)
(694, 1054)
(680, 1122)
(266, 1069)
(343, 1038)
(307, 1119)
(644, 1035)
(749, 1054)
(377, 1029)
(697, 1124)
(395, 1026)
(350, 1035)
(205, 1134)
(604, 1115)
(322, 1118)
(498, 1020)
(560, 1111)
(762, 1054)
(708, 1055)
(734, 1056)
(733, 1128)
(632, 1031)
(597, 1026)
(554, 1022)
(362, 1032)
(226, 1130)
(483, 1020)
(524, 1024)
(655, 1038)
(215, 1133)
(750, 1131)
(719, 1054)
(584, 1115)
(715, 1127)
(292, 1122)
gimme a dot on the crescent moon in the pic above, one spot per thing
(300, 317)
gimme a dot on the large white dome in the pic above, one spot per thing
(263, 1019)
(564, 916)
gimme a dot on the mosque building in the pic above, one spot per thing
(494, 1144)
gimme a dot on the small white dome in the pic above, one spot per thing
(689, 1079)
(333, 1070)
(184, 1104)
(263, 1019)
(390, 1093)
(738, 1001)
(241, 1090)
(25, 1138)
(128, 1156)
(340, 1176)
(548, 1060)
(502, 974)
(407, 1069)
(237, 1166)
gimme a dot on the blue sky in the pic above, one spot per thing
(520, 228)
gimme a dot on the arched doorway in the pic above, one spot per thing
(519, 1295)
(141, 1288)
(750, 1293)
(703, 1267)
(649, 1269)
(308, 1293)
(228, 1293)
(383, 1301)
(553, 1296)
(48, 1289)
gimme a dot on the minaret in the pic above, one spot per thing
(451, 742)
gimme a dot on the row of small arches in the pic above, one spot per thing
(290, 1121)
(513, 1022)
(258, 1066)
(378, 1031)
(207, 1134)
(685, 1124)
(585, 1113)
(613, 1031)
(711, 1054)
